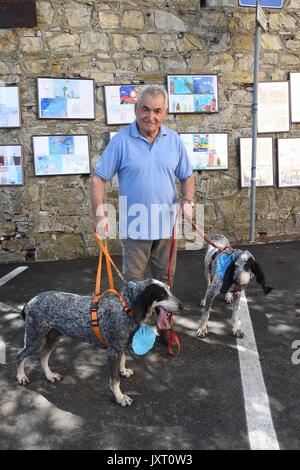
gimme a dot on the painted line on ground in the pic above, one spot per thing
(262, 435)
(2, 351)
(12, 274)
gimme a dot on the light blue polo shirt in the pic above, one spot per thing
(147, 174)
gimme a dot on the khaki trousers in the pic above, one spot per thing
(138, 254)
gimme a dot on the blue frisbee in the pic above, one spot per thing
(143, 340)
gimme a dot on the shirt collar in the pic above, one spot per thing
(134, 131)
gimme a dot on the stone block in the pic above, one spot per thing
(133, 19)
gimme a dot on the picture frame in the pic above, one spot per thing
(10, 114)
(193, 94)
(295, 96)
(61, 155)
(66, 98)
(120, 101)
(206, 150)
(265, 162)
(288, 154)
(11, 165)
(273, 107)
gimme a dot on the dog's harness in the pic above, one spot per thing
(97, 296)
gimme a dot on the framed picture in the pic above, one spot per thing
(120, 101)
(288, 162)
(207, 151)
(295, 96)
(273, 107)
(61, 155)
(193, 94)
(66, 98)
(264, 168)
(10, 115)
(11, 165)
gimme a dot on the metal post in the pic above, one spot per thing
(254, 132)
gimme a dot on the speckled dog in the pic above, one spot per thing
(229, 274)
(50, 315)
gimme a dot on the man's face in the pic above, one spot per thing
(150, 113)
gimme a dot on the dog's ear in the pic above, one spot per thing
(228, 278)
(260, 277)
(142, 304)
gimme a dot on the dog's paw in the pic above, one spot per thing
(126, 373)
(23, 380)
(202, 332)
(125, 400)
(238, 333)
(229, 298)
(53, 377)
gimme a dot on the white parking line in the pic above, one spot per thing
(262, 435)
(2, 351)
(12, 274)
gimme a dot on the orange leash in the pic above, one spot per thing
(97, 296)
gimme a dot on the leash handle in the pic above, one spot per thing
(109, 264)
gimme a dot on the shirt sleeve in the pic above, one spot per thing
(184, 168)
(109, 161)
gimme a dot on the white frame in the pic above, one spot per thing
(265, 161)
(295, 96)
(46, 164)
(203, 141)
(288, 150)
(7, 153)
(10, 114)
(78, 103)
(116, 111)
(273, 107)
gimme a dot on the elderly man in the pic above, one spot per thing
(148, 157)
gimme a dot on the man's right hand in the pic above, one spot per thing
(101, 226)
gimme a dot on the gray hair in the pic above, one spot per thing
(153, 90)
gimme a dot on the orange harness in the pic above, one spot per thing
(97, 296)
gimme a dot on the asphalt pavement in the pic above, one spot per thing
(198, 400)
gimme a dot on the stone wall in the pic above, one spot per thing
(140, 41)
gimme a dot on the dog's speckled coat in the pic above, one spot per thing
(50, 315)
(237, 276)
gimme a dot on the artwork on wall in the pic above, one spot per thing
(288, 162)
(120, 102)
(62, 98)
(273, 107)
(193, 93)
(61, 155)
(207, 151)
(10, 115)
(11, 165)
(295, 96)
(264, 169)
